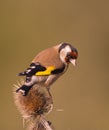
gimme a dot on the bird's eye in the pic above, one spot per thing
(69, 56)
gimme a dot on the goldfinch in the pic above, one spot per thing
(48, 66)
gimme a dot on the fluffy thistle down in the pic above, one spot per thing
(34, 107)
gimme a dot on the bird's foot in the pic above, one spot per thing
(49, 122)
(40, 112)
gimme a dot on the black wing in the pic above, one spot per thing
(32, 70)
(58, 70)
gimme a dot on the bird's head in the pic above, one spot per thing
(68, 53)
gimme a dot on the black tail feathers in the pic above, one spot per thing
(21, 74)
(24, 89)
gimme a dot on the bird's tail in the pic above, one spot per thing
(21, 74)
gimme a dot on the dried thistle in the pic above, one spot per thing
(34, 106)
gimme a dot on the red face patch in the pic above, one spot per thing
(74, 54)
(71, 55)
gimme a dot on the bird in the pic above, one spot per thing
(33, 97)
(47, 66)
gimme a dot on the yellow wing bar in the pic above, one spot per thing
(46, 72)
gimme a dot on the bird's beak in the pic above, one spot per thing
(73, 61)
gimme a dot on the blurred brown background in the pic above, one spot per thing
(29, 26)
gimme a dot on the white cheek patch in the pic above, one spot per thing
(64, 53)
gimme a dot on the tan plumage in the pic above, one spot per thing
(51, 55)
(48, 66)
